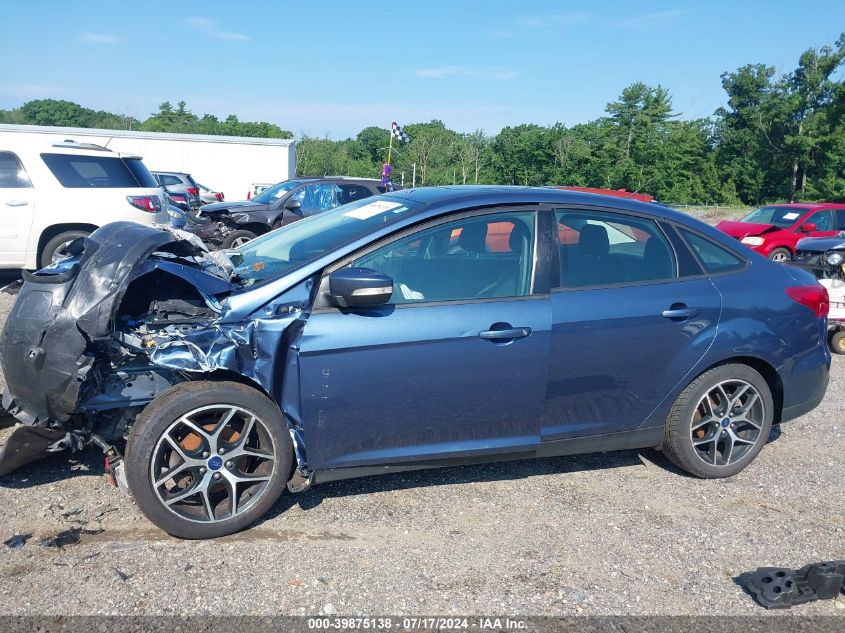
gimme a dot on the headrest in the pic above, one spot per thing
(593, 240)
(473, 238)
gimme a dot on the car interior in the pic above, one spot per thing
(461, 260)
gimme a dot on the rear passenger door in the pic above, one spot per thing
(454, 366)
(632, 314)
(17, 206)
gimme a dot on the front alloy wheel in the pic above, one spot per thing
(213, 463)
(206, 459)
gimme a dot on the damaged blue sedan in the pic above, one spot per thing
(416, 329)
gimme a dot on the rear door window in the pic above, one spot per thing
(12, 174)
(839, 218)
(601, 249)
(95, 172)
(351, 193)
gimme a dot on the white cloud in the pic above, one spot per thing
(100, 38)
(551, 21)
(651, 20)
(484, 72)
(209, 28)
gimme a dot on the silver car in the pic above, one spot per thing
(177, 182)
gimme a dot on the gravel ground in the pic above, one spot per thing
(617, 533)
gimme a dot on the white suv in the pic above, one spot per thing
(53, 194)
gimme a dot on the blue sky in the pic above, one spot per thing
(332, 68)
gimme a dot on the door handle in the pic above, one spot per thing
(680, 311)
(498, 335)
(17, 203)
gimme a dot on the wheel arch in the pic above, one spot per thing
(55, 229)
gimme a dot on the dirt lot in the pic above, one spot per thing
(621, 533)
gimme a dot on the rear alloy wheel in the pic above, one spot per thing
(720, 422)
(837, 342)
(208, 459)
(780, 255)
(238, 238)
(55, 249)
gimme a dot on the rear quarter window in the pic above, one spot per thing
(12, 174)
(714, 258)
(98, 172)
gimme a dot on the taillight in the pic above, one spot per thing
(219, 196)
(178, 198)
(193, 191)
(150, 204)
(814, 297)
(249, 195)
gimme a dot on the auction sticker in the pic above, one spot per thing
(372, 208)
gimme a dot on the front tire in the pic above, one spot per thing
(53, 250)
(206, 459)
(780, 255)
(238, 238)
(720, 422)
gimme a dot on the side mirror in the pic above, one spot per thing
(293, 205)
(807, 227)
(359, 288)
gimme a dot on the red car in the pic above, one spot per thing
(774, 230)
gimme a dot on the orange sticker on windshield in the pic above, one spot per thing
(258, 266)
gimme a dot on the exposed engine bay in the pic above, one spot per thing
(94, 338)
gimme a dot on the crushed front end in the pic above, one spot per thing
(92, 340)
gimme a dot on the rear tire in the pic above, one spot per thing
(237, 238)
(780, 255)
(55, 245)
(196, 465)
(837, 342)
(720, 422)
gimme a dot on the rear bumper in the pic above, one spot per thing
(805, 384)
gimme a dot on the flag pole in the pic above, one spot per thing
(390, 148)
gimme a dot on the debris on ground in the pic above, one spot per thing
(781, 587)
(18, 540)
(122, 574)
(67, 537)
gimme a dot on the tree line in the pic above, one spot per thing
(779, 137)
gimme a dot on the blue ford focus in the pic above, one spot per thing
(421, 328)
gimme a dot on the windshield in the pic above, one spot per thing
(277, 191)
(297, 244)
(782, 217)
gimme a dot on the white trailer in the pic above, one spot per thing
(229, 164)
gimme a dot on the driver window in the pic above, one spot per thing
(317, 198)
(480, 257)
(823, 220)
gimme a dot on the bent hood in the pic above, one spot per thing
(744, 229)
(62, 311)
(226, 207)
(822, 244)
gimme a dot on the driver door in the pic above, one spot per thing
(453, 367)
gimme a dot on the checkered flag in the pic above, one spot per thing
(398, 133)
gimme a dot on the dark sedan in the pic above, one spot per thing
(421, 328)
(235, 223)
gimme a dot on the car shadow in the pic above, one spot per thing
(480, 473)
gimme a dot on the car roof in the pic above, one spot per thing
(171, 173)
(488, 195)
(808, 205)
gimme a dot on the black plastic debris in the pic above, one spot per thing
(18, 540)
(781, 587)
(122, 575)
(67, 537)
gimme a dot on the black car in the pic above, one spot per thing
(235, 223)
